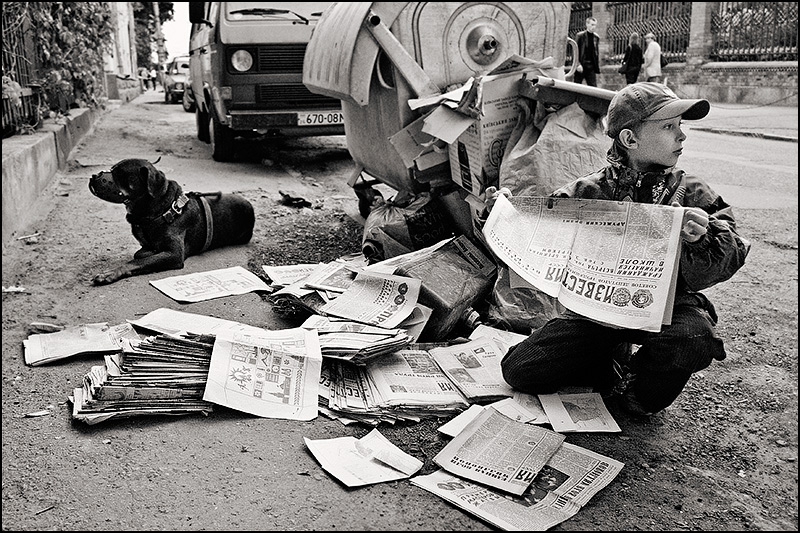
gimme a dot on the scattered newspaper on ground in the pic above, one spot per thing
(578, 412)
(614, 262)
(521, 407)
(504, 339)
(571, 477)
(202, 286)
(177, 323)
(97, 338)
(274, 374)
(497, 451)
(284, 275)
(378, 299)
(357, 462)
(474, 367)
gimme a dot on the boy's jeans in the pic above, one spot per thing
(571, 350)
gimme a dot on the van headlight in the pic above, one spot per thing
(242, 60)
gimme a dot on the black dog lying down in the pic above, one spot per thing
(169, 224)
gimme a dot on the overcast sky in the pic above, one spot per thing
(176, 32)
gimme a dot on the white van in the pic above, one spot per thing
(246, 62)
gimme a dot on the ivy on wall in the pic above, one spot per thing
(69, 39)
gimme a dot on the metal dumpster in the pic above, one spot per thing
(375, 56)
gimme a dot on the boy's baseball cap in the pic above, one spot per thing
(646, 101)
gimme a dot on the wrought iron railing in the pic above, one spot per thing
(668, 21)
(754, 31)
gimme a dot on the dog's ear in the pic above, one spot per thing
(156, 181)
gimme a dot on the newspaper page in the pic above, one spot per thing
(499, 452)
(357, 462)
(202, 286)
(525, 408)
(274, 374)
(474, 367)
(178, 323)
(335, 276)
(571, 477)
(287, 274)
(457, 424)
(377, 299)
(411, 377)
(614, 262)
(41, 348)
(504, 339)
(578, 412)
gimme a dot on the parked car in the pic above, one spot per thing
(247, 73)
(175, 79)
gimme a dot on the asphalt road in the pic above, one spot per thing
(233, 471)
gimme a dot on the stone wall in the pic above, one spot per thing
(754, 83)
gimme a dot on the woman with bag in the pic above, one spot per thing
(633, 60)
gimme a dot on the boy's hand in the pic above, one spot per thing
(491, 194)
(695, 222)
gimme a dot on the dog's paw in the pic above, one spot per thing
(106, 277)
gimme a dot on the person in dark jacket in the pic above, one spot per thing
(634, 58)
(588, 54)
(644, 119)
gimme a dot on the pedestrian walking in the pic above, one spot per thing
(633, 59)
(644, 121)
(652, 58)
(588, 54)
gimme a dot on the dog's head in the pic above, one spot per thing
(128, 181)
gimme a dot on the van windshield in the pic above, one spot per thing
(299, 12)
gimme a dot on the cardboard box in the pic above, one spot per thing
(476, 154)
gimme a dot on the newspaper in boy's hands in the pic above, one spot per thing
(614, 262)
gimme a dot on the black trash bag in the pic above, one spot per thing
(405, 224)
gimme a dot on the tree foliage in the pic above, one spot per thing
(145, 27)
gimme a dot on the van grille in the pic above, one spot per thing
(281, 58)
(293, 96)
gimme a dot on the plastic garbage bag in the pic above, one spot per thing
(405, 224)
(547, 149)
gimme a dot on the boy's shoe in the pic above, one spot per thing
(632, 405)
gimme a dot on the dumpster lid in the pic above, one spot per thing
(341, 55)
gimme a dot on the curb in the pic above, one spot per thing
(32, 162)
(769, 136)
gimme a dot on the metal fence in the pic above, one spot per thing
(20, 107)
(669, 21)
(740, 31)
(754, 31)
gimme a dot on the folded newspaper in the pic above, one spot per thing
(357, 462)
(499, 452)
(354, 341)
(97, 339)
(613, 262)
(569, 479)
(404, 385)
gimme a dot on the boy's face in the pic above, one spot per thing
(591, 25)
(658, 142)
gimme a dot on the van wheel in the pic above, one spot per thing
(201, 120)
(221, 140)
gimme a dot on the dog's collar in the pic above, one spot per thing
(174, 211)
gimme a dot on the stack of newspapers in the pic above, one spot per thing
(356, 342)
(161, 374)
(404, 385)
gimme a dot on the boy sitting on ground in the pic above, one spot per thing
(644, 120)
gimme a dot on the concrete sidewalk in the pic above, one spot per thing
(767, 122)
